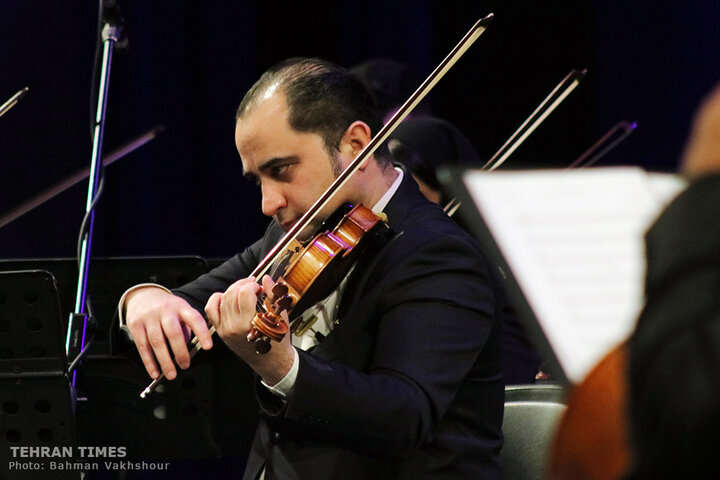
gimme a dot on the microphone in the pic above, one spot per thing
(112, 15)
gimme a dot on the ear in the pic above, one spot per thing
(355, 139)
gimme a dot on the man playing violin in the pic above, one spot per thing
(400, 376)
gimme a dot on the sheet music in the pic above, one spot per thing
(573, 240)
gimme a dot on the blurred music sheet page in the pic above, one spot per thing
(574, 242)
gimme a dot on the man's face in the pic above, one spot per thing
(292, 168)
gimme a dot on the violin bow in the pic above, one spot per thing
(312, 213)
(559, 93)
(292, 235)
(599, 149)
(546, 107)
(12, 101)
(79, 176)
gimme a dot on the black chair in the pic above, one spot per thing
(531, 414)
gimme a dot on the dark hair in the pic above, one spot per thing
(322, 98)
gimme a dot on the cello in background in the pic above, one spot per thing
(591, 440)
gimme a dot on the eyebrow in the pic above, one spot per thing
(270, 164)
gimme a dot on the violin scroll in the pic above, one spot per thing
(269, 324)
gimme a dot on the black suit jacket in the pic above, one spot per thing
(409, 382)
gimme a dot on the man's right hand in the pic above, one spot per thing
(157, 319)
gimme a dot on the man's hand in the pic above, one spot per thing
(157, 319)
(702, 153)
(232, 312)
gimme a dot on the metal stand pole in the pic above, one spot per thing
(77, 323)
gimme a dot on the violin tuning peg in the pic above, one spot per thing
(284, 303)
(280, 290)
(262, 345)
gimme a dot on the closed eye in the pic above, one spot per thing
(278, 172)
(279, 168)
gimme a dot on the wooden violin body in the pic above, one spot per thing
(314, 271)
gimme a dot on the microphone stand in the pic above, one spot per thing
(78, 321)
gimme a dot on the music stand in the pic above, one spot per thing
(570, 245)
(35, 397)
(109, 278)
(203, 419)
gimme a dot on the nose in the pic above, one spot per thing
(273, 199)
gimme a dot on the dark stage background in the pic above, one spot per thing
(189, 63)
(187, 67)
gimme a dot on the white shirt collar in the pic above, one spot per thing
(385, 199)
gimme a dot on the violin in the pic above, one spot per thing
(321, 264)
(268, 324)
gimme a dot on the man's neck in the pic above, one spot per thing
(385, 177)
(389, 192)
